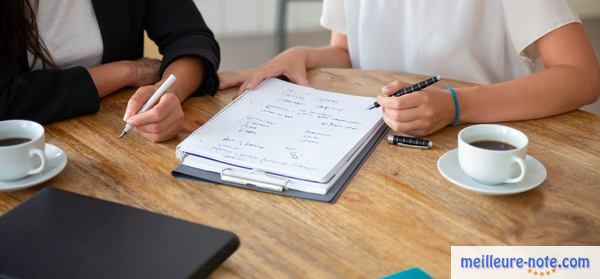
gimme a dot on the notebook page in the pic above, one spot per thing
(287, 129)
(300, 185)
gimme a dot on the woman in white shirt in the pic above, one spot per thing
(492, 43)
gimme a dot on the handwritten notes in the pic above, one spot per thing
(286, 129)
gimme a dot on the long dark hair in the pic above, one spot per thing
(19, 31)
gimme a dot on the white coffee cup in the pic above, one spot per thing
(25, 158)
(490, 166)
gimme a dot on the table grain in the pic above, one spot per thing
(397, 212)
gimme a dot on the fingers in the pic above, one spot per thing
(163, 135)
(298, 77)
(262, 74)
(403, 102)
(393, 87)
(160, 111)
(233, 78)
(256, 77)
(405, 115)
(402, 127)
(160, 132)
(162, 122)
(419, 113)
(137, 101)
(242, 88)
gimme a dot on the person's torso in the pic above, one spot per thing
(462, 39)
(70, 31)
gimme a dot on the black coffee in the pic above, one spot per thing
(492, 145)
(13, 141)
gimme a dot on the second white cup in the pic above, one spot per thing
(22, 149)
(493, 154)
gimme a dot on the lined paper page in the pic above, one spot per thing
(287, 129)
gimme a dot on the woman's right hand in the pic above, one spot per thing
(290, 63)
(145, 72)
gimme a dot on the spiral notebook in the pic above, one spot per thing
(282, 136)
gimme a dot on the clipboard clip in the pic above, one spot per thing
(256, 178)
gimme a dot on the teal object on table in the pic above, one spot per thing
(411, 273)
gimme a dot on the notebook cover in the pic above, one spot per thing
(332, 195)
(59, 234)
(411, 273)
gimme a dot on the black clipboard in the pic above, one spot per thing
(60, 234)
(332, 195)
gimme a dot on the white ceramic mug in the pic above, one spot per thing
(493, 166)
(23, 159)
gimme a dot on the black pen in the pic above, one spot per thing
(410, 142)
(415, 87)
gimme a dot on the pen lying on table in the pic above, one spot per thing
(410, 142)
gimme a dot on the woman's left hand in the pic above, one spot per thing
(161, 122)
(417, 114)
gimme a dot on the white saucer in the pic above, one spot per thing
(450, 169)
(57, 160)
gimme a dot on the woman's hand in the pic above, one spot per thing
(290, 63)
(234, 78)
(145, 72)
(418, 114)
(159, 123)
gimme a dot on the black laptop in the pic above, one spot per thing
(59, 234)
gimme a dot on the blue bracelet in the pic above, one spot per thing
(456, 109)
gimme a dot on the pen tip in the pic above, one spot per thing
(121, 135)
(438, 77)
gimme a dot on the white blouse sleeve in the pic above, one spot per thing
(529, 20)
(333, 16)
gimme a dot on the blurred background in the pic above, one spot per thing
(251, 32)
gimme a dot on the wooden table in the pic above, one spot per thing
(398, 212)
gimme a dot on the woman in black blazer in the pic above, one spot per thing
(188, 46)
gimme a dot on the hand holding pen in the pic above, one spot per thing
(409, 89)
(421, 113)
(154, 112)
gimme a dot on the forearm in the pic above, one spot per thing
(47, 95)
(571, 79)
(111, 77)
(556, 90)
(189, 72)
(327, 57)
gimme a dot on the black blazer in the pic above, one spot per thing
(50, 95)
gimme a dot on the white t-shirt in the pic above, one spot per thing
(69, 29)
(482, 41)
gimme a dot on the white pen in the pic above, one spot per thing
(159, 92)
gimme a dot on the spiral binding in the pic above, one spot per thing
(181, 154)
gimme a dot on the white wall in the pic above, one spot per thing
(245, 17)
(586, 8)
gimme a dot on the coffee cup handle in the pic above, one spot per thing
(42, 155)
(523, 167)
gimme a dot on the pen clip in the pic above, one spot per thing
(413, 146)
(257, 178)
